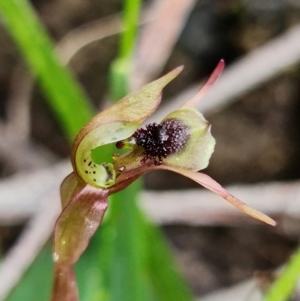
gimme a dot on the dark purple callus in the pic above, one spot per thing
(161, 140)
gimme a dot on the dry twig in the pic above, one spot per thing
(15, 144)
(18, 105)
(252, 289)
(89, 33)
(29, 244)
(200, 207)
(158, 38)
(254, 69)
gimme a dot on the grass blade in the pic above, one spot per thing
(65, 96)
(283, 288)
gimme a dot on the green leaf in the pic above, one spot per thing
(130, 21)
(132, 254)
(283, 288)
(37, 281)
(165, 278)
(65, 96)
(125, 271)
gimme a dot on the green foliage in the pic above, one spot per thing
(128, 258)
(282, 289)
(36, 283)
(134, 270)
(64, 94)
(131, 15)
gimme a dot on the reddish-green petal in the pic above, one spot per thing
(68, 188)
(113, 124)
(201, 179)
(64, 284)
(83, 213)
(215, 187)
(200, 144)
(77, 224)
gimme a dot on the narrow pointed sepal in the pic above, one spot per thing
(215, 187)
(206, 87)
(78, 223)
(82, 215)
(205, 181)
(68, 188)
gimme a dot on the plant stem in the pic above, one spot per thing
(131, 16)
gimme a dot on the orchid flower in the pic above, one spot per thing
(181, 143)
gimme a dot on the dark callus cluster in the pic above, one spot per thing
(161, 140)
